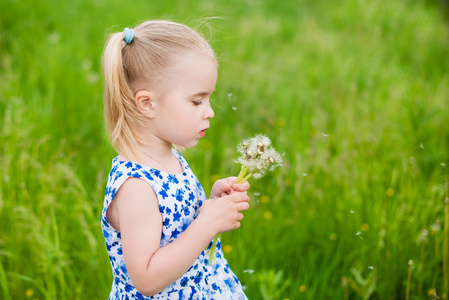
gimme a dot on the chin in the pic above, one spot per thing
(189, 145)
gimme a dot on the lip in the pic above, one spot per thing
(203, 132)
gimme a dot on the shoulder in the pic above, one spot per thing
(135, 188)
(135, 199)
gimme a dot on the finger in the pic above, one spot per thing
(242, 206)
(241, 187)
(237, 225)
(223, 185)
(239, 216)
(238, 197)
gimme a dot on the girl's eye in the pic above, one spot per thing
(196, 102)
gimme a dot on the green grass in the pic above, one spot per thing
(354, 92)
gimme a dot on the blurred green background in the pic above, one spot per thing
(355, 93)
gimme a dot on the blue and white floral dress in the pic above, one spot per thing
(180, 197)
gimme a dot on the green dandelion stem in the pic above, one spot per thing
(241, 178)
(242, 174)
(446, 241)
(245, 178)
(213, 249)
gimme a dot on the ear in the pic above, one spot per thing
(145, 103)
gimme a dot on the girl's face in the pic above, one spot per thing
(182, 116)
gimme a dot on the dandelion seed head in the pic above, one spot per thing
(436, 226)
(422, 236)
(53, 38)
(258, 156)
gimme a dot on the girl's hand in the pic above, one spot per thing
(224, 213)
(227, 186)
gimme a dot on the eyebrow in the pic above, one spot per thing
(202, 93)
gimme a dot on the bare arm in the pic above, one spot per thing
(150, 267)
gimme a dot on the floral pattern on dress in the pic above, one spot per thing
(180, 197)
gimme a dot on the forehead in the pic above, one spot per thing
(195, 72)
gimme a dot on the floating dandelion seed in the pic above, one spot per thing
(249, 271)
(371, 268)
(257, 157)
(359, 234)
(421, 146)
(351, 212)
(234, 108)
(443, 164)
(304, 174)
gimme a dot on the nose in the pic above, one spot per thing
(209, 113)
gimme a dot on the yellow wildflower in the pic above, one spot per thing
(29, 293)
(267, 215)
(302, 288)
(227, 248)
(264, 199)
(365, 227)
(390, 192)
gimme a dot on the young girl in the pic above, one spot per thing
(156, 221)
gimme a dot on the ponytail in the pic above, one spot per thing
(120, 110)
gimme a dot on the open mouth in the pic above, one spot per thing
(203, 133)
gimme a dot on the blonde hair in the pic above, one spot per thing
(145, 63)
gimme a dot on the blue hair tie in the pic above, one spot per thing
(129, 35)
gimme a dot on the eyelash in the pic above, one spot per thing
(196, 103)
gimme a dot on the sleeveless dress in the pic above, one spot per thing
(180, 197)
